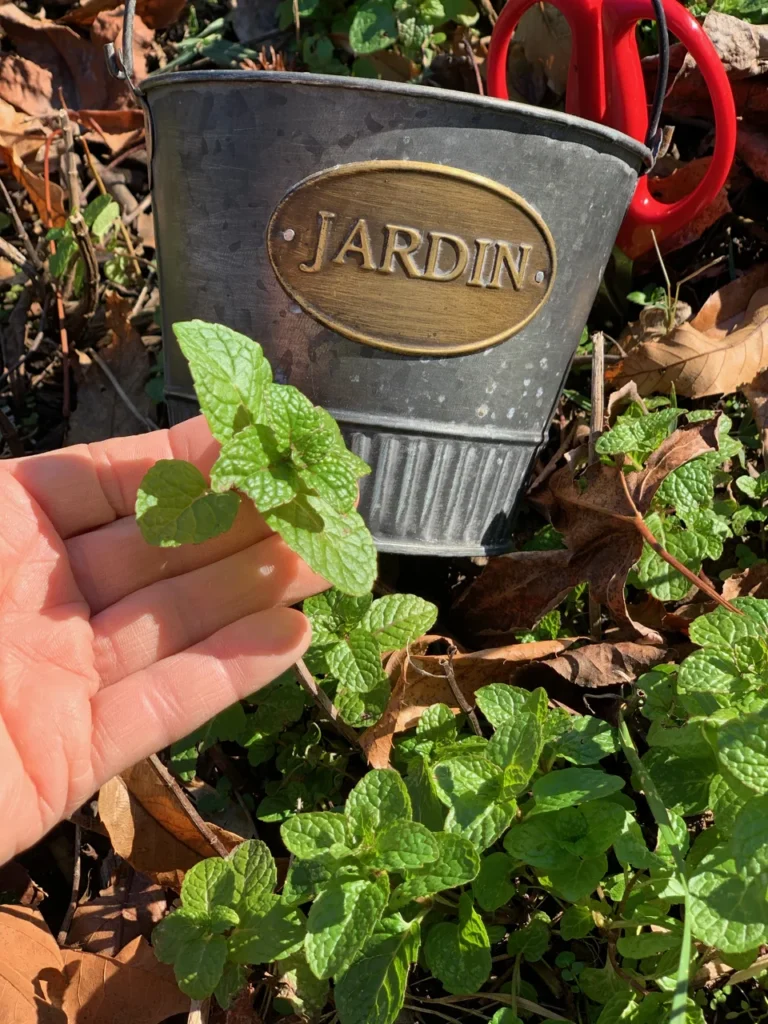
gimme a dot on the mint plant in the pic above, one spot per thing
(277, 448)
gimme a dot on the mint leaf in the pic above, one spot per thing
(100, 214)
(493, 887)
(174, 932)
(516, 746)
(654, 573)
(312, 835)
(457, 863)
(334, 613)
(532, 941)
(373, 989)
(472, 787)
(576, 923)
(296, 422)
(459, 955)
(648, 943)
(342, 919)
(338, 547)
(378, 800)
(356, 661)
(722, 630)
(298, 989)
(587, 741)
(253, 463)
(208, 884)
(199, 965)
(500, 703)
(362, 709)
(427, 806)
(267, 932)
(230, 375)
(631, 849)
(642, 435)
(255, 873)
(404, 846)
(710, 672)
(334, 480)
(373, 27)
(573, 786)
(232, 980)
(749, 841)
(742, 746)
(682, 781)
(574, 877)
(728, 910)
(398, 619)
(687, 488)
(174, 506)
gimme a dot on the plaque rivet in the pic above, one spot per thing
(539, 276)
(289, 234)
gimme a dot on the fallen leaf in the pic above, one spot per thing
(150, 828)
(17, 887)
(31, 980)
(25, 86)
(156, 14)
(700, 363)
(515, 590)
(35, 186)
(756, 394)
(541, 53)
(680, 183)
(726, 309)
(599, 665)
(131, 988)
(752, 148)
(419, 680)
(118, 915)
(753, 582)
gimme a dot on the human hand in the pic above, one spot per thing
(111, 649)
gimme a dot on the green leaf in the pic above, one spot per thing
(313, 835)
(230, 375)
(254, 871)
(174, 932)
(435, 730)
(279, 704)
(588, 741)
(267, 932)
(577, 877)
(472, 788)
(377, 801)
(531, 941)
(500, 703)
(362, 709)
(493, 887)
(299, 989)
(373, 989)
(334, 480)
(573, 786)
(576, 922)
(373, 27)
(654, 573)
(457, 863)
(516, 746)
(100, 214)
(459, 955)
(356, 661)
(710, 672)
(207, 884)
(60, 261)
(687, 488)
(230, 983)
(338, 547)
(749, 841)
(221, 919)
(682, 782)
(296, 421)
(726, 805)
(638, 434)
(252, 463)
(722, 630)
(589, 829)
(463, 12)
(341, 921)
(199, 965)
(174, 506)
(398, 619)
(728, 910)
(631, 849)
(334, 613)
(404, 846)
(753, 487)
(743, 751)
(648, 943)
(427, 806)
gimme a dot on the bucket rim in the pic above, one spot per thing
(578, 124)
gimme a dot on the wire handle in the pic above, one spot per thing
(654, 135)
(120, 61)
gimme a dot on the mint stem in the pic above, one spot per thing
(323, 701)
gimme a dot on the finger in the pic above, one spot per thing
(88, 485)
(115, 560)
(154, 707)
(172, 615)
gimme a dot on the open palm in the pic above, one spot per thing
(111, 649)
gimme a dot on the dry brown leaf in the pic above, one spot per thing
(514, 591)
(26, 86)
(118, 915)
(726, 309)
(419, 681)
(700, 363)
(156, 14)
(679, 184)
(31, 979)
(599, 665)
(753, 582)
(752, 148)
(756, 394)
(35, 186)
(151, 829)
(16, 881)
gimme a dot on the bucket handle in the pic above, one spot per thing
(120, 61)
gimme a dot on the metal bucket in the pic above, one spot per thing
(427, 285)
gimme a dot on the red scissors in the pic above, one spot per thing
(605, 84)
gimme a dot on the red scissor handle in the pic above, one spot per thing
(605, 84)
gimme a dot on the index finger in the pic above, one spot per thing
(88, 485)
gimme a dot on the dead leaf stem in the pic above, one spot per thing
(596, 421)
(189, 808)
(461, 700)
(21, 231)
(642, 528)
(61, 938)
(323, 701)
(144, 420)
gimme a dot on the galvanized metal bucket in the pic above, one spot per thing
(418, 261)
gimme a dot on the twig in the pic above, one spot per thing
(17, 257)
(143, 295)
(73, 182)
(506, 1000)
(189, 808)
(612, 936)
(63, 336)
(596, 421)
(61, 938)
(323, 701)
(90, 300)
(140, 208)
(20, 362)
(461, 700)
(645, 533)
(198, 1011)
(489, 11)
(551, 466)
(473, 61)
(94, 355)
(21, 231)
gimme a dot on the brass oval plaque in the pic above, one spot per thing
(416, 258)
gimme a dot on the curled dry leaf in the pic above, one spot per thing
(156, 14)
(419, 680)
(753, 582)
(42, 984)
(602, 542)
(596, 666)
(118, 915)
(151, 829)
(680, 183)
(699, 362)
(35, 186)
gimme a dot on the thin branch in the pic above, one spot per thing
(596, 422)
(619, 970)
(506, 1000)
(61, 938)
(648, 537)
(461, 700)
(473, 61)
(140, 208)
(189, 808)
(21, 231)
(94, 355)
(489, 11)
(326, 705)
(17, 257)
(90, 300)
(199, 1011)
